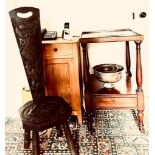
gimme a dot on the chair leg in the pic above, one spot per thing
(69, 138)
(35, 143)
(26, 139)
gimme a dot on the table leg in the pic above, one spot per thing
(128, 83)
(59, 131)
(128, 61)
(141, 110)
(89, 113)
(139, 80)
(86, 75)
(85, 63)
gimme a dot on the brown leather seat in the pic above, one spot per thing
(42, 112)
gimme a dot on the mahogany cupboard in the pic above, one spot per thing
(62, 71)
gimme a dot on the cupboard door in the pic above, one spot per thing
(58, 78)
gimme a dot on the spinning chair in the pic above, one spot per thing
(42, 112)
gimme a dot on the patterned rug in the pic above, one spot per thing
(117, 133)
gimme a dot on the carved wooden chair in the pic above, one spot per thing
(42, 112)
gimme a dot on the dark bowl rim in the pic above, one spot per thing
(120, 68)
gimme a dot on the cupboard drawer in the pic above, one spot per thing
(57, 51)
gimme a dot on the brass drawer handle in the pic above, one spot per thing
(55, 49)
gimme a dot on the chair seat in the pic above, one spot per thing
(48, 112)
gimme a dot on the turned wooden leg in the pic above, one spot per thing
(26, 139)
(35, 143)
(139, 78)
(140, 114)
(128, 61)
(139, 81)
(89, 113)
(59, 131)
(69, 138)
(86, 75)
(85, 64)
(140, 119)
(128, 84)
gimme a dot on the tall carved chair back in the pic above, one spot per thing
(28, 35)
(42, 112)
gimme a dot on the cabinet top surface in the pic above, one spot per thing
(110, 36)
(61, 40)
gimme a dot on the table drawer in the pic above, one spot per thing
(58, 51)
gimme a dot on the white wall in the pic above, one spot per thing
(83, 16)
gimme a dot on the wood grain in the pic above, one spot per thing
(127, 92)
(62, 72)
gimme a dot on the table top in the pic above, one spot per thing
(110, 36)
